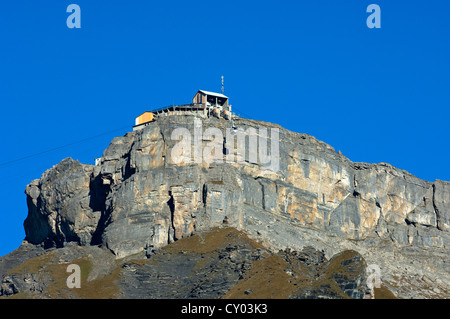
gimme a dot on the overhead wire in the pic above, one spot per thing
(79, 142)
(239, 112)
(61, 146)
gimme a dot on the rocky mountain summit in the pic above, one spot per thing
(316, 222)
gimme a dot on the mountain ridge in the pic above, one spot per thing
(138, 200)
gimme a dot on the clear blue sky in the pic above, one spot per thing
(378, 95)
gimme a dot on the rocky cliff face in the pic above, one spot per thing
(140, 198)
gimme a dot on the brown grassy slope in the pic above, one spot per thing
(269, 277)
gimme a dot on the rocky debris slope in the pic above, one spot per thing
(141, 198)
(221, 263)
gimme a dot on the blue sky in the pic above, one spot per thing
(378, 95)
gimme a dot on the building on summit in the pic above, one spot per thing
(204, 104)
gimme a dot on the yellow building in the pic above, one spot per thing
(144, 118)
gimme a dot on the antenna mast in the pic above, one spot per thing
(222, 84)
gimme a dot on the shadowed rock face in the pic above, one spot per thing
(140, 199)
(60, 207)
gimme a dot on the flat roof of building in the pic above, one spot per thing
(213, 93)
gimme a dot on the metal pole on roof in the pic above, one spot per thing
(222, 84)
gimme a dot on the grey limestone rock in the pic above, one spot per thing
(141, 198)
